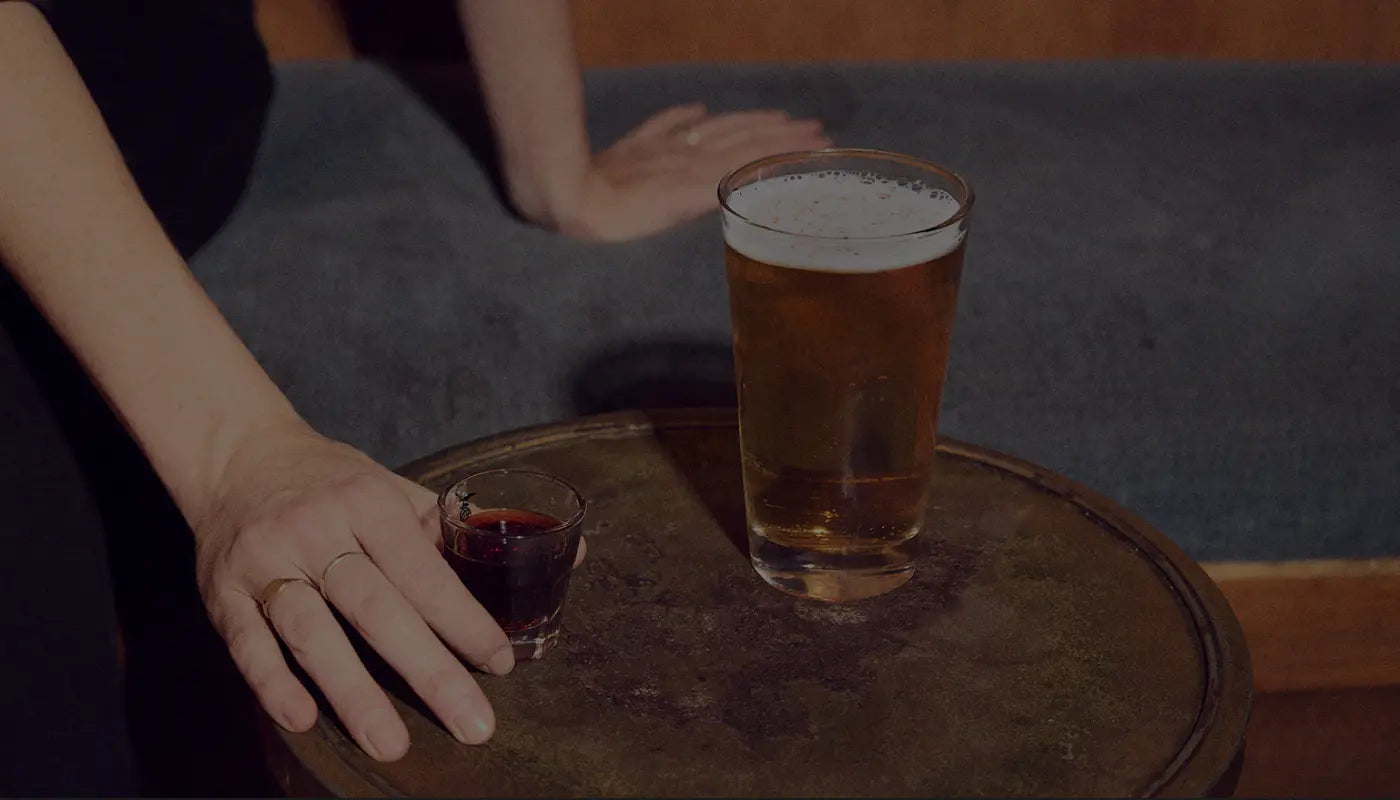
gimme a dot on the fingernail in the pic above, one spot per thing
(382, 739)
(471, 728)
(380, 743)
(502, 662)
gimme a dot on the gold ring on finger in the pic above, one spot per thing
(274, 588)
(326, 573)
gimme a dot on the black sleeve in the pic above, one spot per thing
(183, 86)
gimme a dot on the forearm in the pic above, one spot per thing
(524, 56)
(78, 237)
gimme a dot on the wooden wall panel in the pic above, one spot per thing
(303, 29)
(630, 32)
(627, 32)
(1323, 744)
(623, 32)
(1317, 624)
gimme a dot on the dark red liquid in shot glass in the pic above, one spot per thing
(515, 567)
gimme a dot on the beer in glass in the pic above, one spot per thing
(843, 270)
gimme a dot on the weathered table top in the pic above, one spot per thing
(1049, 643)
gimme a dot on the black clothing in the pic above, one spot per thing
(88, 533)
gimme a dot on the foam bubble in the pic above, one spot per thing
(837, 214)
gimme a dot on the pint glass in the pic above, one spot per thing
(843, 270)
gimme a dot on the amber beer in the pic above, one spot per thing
(843, 274)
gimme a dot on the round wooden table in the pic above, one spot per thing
(1049, 643)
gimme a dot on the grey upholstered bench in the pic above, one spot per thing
(1181, 289)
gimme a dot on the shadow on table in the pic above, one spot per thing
(671, 382)
(711, 467)
(656, 375)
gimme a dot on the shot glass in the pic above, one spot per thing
(512, 536)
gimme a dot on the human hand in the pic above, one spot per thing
(285, 509)
(664, 172)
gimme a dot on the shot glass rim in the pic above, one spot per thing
(724, 190)
(457, 523)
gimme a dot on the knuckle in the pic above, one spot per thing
(306, 520)
(220, 603)
(362, 704)
(367, 495)
(262, 687)
(364, 483)
(249, 562)
(300, 629)
(375, 609)
(257, 552)
(248, 548)
(242, 646)
(299, 529)
(356, 488)
(427, 575)
(446, 687)
(266, 682)
(437, 596)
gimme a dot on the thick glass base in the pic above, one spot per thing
(834, 576)
(531, 644)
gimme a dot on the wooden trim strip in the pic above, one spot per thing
(634, 32)
(1306, 568)
(1319, 624)
(620, 33)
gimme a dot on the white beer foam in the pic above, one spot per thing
(837, 214)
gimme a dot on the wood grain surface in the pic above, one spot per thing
(633, 32)
(628, 32)
(1317, 624)
(1323, 744)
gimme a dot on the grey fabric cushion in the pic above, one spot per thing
(1181, 286)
